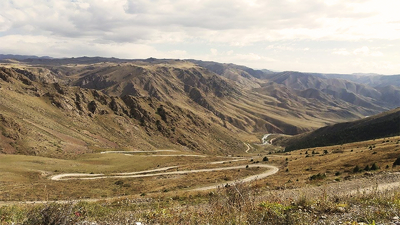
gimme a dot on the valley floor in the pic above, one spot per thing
(312, 186)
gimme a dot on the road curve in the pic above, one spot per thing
(153, 151)
(138, 175)
(248, 147)
(264, 139)
(62, 176)
(272, 171)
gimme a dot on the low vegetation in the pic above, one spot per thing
(237, 204)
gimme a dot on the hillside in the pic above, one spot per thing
(61, 121)
(210, 107)
(385, 124)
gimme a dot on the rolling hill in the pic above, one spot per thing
(386, 124)
(190, 104)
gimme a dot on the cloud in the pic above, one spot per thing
(138, 20)
(341, 51)
(256, 32)
(366, 52)
(69, 47)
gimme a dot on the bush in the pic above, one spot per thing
(119, 182)
(356, 169)
(374, 167)
(52, 214)
(366, 168)
(265, 159)
(397, 162)
(318, 176)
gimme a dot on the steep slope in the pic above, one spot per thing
(61, 121)
(198, 89)
(385, 124)
(244, 76)
(247, 103)
(354, 93)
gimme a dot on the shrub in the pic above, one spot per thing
(356, 169)
(374, 167)
(119, 182)
(52, 214)
(366, 168)
(318, 176)
(397, 162)
(265, 159)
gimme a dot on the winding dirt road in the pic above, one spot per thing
(248, 147)
(273, 170)
(80, 176)
(153, 151)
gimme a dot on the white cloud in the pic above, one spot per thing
(341, 51)
(366, 52)
(362, 51)
(140, 28)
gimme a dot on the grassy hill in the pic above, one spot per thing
(385, 124)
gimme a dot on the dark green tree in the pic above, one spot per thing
(374, 167)
(397, 162)
(356, 169)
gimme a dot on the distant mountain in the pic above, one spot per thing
(22, 57)
(385, 124)
(346, 90)
(373, 80)
(226, 90)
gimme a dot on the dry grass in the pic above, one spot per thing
(340, 158)
(237, 204)
(27, 177)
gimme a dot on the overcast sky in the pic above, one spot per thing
(334, 36)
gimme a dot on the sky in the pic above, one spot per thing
(326, 36)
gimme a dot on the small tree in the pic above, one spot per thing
(374, 167)
(366, 168)
(356, 169)
(397, 162)
(265, 159)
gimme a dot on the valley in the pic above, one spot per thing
(180, 133)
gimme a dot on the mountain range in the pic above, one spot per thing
(78, 105)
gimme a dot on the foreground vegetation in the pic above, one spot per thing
(236, 204)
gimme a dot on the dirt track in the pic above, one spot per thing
(79, 176)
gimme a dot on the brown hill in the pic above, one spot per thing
(386, 124)
(61, 121)
(212, 104)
